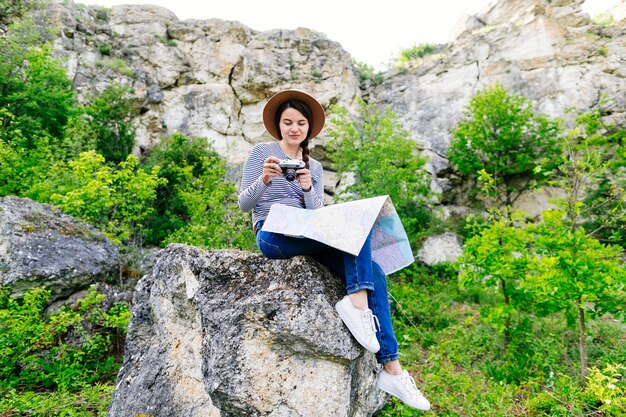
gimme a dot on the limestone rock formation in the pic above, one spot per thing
(41, 246)
(211, 77)
(207, 78)
(230, 333)
(547, 50)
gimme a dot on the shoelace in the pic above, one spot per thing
(410, 386)
(370, 322)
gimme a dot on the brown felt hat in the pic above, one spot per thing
(317, 111)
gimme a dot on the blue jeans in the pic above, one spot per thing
(359, 272)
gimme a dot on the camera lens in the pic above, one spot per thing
(290, 174)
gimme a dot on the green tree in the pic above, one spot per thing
(35, 89)
(21, 168)
(36, 101)
(198, 203)
(496, 260)
(504, 138)
(117, 201)
(384, 160)
(593, 174)
(576, 274)
(110, 118)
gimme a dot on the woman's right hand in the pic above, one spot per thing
(271, 169)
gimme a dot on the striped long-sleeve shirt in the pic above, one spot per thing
(256, 196)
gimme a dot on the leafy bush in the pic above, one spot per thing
(21, 167)
(10, 10)
(502, 137)
(604, 20)
(197, 205)
(608, 387)
(367, 73)
(118, 201)
(117, 65)
(110, 116)
(89, 401)
(384, 160)
(416, 52)
(105, 49)
(65, 350)
(35, 90)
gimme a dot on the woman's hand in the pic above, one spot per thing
(271, 169)
(304, 178)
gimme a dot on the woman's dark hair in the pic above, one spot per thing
(308, 115)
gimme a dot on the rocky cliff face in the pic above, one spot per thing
(548, 50)
(206, 78)
(229, 333)
(211, 77)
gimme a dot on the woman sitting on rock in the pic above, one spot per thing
(294, 118)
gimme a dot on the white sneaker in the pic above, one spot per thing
(403, 387)
(362, 324)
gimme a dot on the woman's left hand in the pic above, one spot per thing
(304, 178)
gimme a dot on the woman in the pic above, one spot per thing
(294, 118)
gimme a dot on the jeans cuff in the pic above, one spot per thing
(360, 286)
(383, 359)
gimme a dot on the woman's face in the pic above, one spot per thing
(293, 126)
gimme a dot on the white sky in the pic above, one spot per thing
(372, 32)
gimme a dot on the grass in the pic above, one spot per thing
(117, 65)
(457, 359)
(92, 401)
(459, 363)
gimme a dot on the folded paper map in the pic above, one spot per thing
(345, 227)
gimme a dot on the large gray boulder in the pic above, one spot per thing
(43, 247)
(229, 333)
(444, 248)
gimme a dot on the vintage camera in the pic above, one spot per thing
(289, 167)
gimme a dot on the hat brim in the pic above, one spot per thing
(269, 111)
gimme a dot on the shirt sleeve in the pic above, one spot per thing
(314, 198)
(252, 185)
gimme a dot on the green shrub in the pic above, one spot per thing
(416, 52)
(110, 115)
(367, 73)
(11, 10)
(35, 90)
(90, 401)
(21, 167)
(384, 160)
(65, 350)
(105, 49)
(117, 65)
(604, 20)
(608, 387)
(198, 204)
(501, 140)
(117, 201)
